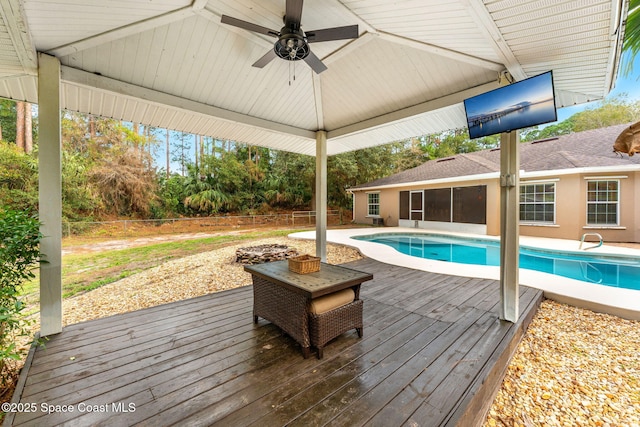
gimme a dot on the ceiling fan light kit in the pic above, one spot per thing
(293, 43)
(291, 46)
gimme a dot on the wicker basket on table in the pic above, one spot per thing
(304, 264)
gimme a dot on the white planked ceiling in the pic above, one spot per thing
(171, 63)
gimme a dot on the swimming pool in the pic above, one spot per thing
(616, 271)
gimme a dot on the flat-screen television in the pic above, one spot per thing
(519, 105)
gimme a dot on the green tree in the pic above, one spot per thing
(453, 142)
(535, 133)
(106, 169)
(411, 153)
(180, 150)
(609, 112)
(80, 200)
(257, 162)
(77, 132)
(18, 178)
(614, 111)
(375, 162)
(222, 189)
(171, 194)
(7, 120)
(203, 194)
(290, 182)
(344, 174)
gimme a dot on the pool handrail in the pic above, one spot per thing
(591, 234)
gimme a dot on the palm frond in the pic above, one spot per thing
(631, 44)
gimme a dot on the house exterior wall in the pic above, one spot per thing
(389, 206)
(629, 230)
(570, 206)
(493, 207)
(629, 211)
(570, 210)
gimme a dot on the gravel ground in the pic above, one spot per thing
(574, 367)
(201, 274)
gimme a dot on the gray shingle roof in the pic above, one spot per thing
(592, 148)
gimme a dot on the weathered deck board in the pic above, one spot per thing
(432, 353)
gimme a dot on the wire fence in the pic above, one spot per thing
(139, 227)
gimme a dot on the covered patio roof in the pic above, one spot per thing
(173, 64)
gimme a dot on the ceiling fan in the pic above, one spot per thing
(293, 43)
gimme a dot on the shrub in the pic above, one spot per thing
(18, 178)
(19, 255)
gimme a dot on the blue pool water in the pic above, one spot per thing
(617, 271)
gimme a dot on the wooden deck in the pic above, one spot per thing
(433, 353)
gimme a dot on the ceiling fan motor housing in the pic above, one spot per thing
(291, 45)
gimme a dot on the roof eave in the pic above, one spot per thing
(580, 171)
(495, 175)
(466, 178)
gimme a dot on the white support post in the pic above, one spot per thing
(509, 225)
(321, 195)
(50, 194)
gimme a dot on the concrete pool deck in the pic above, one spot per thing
(621, 302)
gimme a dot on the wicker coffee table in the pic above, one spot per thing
(284, 298)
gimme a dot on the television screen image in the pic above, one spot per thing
(519, 105)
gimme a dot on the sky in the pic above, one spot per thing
(624, 84)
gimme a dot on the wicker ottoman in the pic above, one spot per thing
(327, 326)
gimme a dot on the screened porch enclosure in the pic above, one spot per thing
(464, 205)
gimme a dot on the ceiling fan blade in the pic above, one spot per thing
(315, 63)
(293, 14)
(248, 26)
(328, 34)
(268, 57)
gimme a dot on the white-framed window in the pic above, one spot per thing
(373, 204)
(538, 202)
(603, 204)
